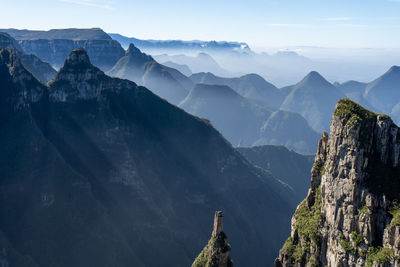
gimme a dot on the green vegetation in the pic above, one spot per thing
(357, 238)
(365, 210)
(395, 212)
(205, 255)
(347, 246)
(308, 219)
(320, 167)
(380, 255)
(307, 224)
(352, 110)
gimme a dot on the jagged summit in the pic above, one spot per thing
(351, 215)
(134, 53)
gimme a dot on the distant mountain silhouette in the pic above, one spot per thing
(384, 92)
(314, 98)
(289, 129)
(236, 117)
(251, 86)
(179, 45)
(144, 70)
(97, 171)
(184, 69)
(203, 62)
(244, 122)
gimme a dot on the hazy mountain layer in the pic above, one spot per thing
(289, 129)
(144, 70)
(314, 98)
(245, 122)
(202, 62)
(251, 86)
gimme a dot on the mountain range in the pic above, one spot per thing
(245, 122)
(151, 46)
(98, 171)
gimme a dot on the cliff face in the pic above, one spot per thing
(351, 214)
(103, 53)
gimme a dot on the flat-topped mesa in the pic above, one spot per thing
(216, 252)
(350, 216)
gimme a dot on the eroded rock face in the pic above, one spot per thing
(350, 215)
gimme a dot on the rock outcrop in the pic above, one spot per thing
(216, 252)
(351, 215)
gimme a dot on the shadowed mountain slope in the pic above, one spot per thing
(97, 171)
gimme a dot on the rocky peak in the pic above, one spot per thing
(350, 216)
(134, 53)
(216, 252)
(314, 78)
(77, 79)
(77, 58)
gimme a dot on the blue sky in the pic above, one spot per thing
(261, 23)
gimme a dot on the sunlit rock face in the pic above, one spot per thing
(351, 214)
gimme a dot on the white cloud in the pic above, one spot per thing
(286, 25)
(93, 3)
(337, 19)
(352, 25)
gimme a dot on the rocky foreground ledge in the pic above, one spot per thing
(351, 215)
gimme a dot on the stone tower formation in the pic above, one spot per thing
(218, 223)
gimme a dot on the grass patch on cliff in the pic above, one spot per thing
(365, 210)
(357, 238)
(395, 212)
(347, 246)
(352, 110)
(205, 255)
(308, 219)
(380, 255)
(307, 225)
